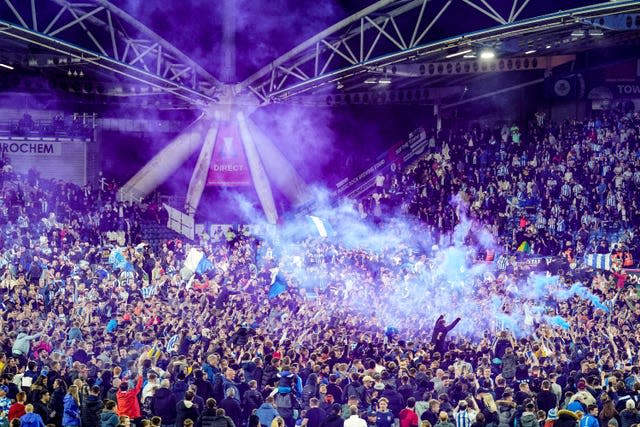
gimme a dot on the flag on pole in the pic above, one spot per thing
(278, 283)
(197, 262)
(599, 261)
(524, 247)
(320, 226)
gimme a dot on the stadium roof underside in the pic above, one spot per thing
(414, 47)
(62, 36)
(421, 50)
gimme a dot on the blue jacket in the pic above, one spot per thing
(266, 413)
(31, 419)
(71, 413)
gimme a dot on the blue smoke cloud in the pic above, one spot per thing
(407, 282)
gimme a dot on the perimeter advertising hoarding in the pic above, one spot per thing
(54, 158)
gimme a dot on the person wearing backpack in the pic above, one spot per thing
(287, 406)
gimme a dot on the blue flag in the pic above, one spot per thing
(320, 226)
(278, 283)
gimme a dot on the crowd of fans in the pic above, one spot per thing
(559, 187)
(86, 342)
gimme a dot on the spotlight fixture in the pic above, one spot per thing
(530, 51)
(8, 67)
(459, 53)
(487, 54)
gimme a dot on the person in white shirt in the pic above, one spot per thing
(354, 420)
(464, 415)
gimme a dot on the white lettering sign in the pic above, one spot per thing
(629, 89)
(23, 148)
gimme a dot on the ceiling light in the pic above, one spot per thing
(487, 54)
(8, 67)
(577, 33)
(458, 53)
(548, 46)
(470, 55)
(384, 81)
(596, 33)
(69, 73)
(371, 81)
(530, 51)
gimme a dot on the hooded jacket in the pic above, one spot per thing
(91, 407)
(529, 419)
(186, 409)
(164, 405)
(31, 420)
(266, 413)
(109, 419)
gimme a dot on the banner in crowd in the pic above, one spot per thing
(229, 167)
(528, 263)
(398, 155)
(599, 261)
(633, 276)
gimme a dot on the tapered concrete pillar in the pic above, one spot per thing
(280, 171)
(258, 174)
(201, 171)
(166, 162)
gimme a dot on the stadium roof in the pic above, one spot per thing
(404, 51)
